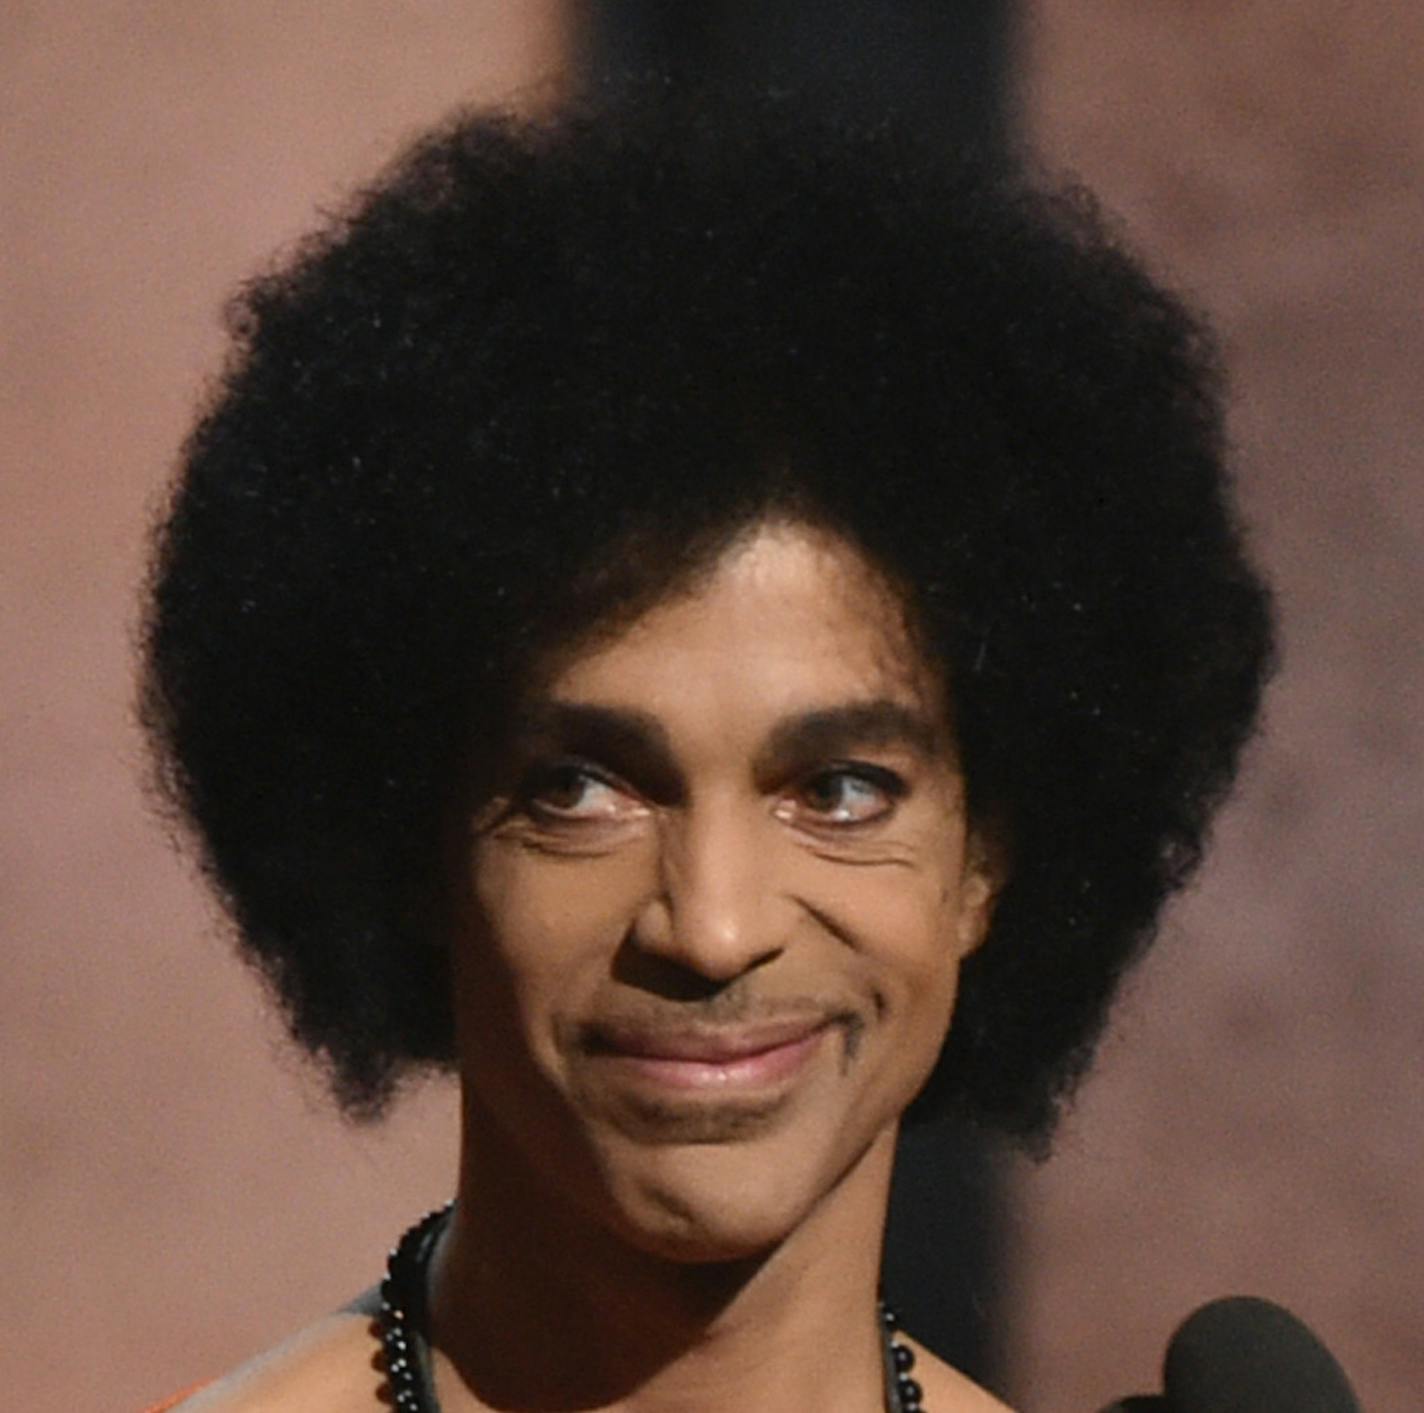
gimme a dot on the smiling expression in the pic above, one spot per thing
(718, 903)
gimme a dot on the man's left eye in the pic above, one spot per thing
(856, 796)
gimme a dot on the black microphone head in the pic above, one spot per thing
(1245, 1355)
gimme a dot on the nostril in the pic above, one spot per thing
(664, 976)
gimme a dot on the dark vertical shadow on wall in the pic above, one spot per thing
(944, 64)
(941, 61)
(944, 1249)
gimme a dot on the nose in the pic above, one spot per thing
(714, 913)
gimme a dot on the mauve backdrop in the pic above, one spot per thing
(172, 1193)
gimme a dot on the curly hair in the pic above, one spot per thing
(541, 370)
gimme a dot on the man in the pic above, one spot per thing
(723, 631)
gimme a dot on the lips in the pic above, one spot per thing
(720, 1059)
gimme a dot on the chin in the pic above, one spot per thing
(726, 1203)
(694, 1228)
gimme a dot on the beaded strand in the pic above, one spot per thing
(404, 1322)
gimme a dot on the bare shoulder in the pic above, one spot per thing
(333, 1365)
(946, 1389)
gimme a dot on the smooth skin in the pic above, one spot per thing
(715, 912)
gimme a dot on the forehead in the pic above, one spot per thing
(787, 618)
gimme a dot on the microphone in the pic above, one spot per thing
(1241, 1354)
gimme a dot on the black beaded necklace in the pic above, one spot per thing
(404, 1322)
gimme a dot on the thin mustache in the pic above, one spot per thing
(725, 1008)
(736, 1024)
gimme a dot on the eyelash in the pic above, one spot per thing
(542, 780)
(884, 782)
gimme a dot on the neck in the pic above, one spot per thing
(539, 1303)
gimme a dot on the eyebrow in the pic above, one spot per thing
(571, 723)
(638, 741)
(835, 730)
(633, 741)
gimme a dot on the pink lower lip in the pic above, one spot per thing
(752, 1071)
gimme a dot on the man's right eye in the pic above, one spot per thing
(572, 793)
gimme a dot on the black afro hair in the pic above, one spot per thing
(543, 367)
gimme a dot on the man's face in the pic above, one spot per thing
(718, 904)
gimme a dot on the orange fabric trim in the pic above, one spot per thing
(175, 1400)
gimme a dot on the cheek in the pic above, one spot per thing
(921, 938)
(903, 927)
(907, 917)
(923, 933)
(543, 922)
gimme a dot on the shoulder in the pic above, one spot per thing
(946, 1389)
(333, 1364)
